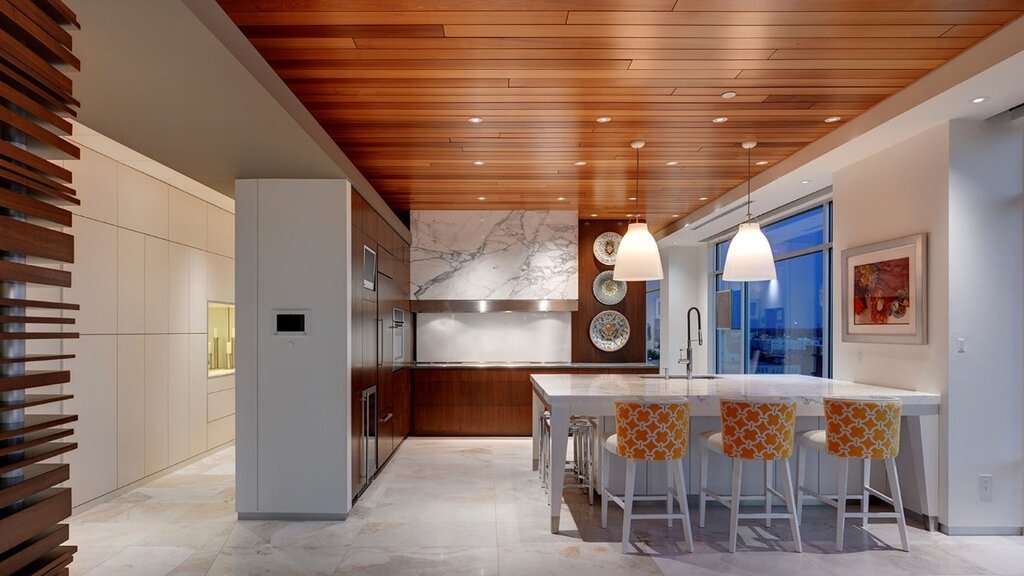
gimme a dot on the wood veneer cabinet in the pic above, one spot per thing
(371, 320)
(482, 401)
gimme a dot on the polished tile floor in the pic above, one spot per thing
(472, 506)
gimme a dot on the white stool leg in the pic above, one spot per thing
(897, 500)
(606, 494)
(591, 462)
(734, 503)
(790, 494)
(681, 496)
(669, 473)
(702, 482)
(801, 463)
(844, 471)
(769, 481)
(864, 494)
(627, 512)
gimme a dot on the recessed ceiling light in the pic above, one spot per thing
(478, 162)
(604, 119)
(979, 99)
(832, 119)
(702, 198)
(719, 120)
(593, 215)
(673, 242)
(805, 181)
(560, 198)
(675, 215)
(629, 215)
(475, 120)
(481, 197)
(728, 94)
(761, 162)
(580, 163)
(631, 198)
(672, 163)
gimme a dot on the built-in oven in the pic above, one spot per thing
(369, 463)
(397, 338)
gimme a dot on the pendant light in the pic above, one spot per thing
(749, 258)
(638, 258)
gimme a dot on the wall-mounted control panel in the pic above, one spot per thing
(291, 322)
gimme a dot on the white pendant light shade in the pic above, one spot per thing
(749, 258)
(638, 258)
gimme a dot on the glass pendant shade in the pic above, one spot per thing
(638, 258)
(749, 258)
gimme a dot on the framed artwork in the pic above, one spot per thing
(884, 296)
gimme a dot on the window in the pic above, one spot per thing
(653, 324)
(781, 326)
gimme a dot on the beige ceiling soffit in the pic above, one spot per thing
(221, 26)
(1001, 45)
(88, 138)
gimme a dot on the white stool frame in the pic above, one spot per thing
(676, 491)
(733, 501)
(839, 502)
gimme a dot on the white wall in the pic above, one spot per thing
(147, 257)
(293, 395)
(685, 285)
(490, 337)
(961, 184)
(986, 226)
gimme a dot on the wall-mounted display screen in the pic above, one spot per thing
(291, 323)
(369, 268)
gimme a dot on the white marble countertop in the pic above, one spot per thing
(601, 388)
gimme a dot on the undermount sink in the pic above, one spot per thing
(681, 377)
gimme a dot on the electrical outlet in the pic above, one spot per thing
(961, 345)
(860, 356)
(985, 487)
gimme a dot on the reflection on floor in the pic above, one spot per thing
(472, 506)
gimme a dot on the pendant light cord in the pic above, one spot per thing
(749, 217)
(637, 214)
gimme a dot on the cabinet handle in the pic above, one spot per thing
(388, 418)
(380, 341)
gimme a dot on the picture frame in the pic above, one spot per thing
(884, 291)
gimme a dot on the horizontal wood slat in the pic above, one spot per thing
(42, 510)
(53, 563)
(35, 439)
(35, 478)
(34, 379)
(34, 274)
(35, 400)
(28, 552)
(34, 208)
(23, 303)
(32, 240)
(35, 422)
(38, 454)
(35, 358)
(34, 320)
(410, 73)
(38, 335)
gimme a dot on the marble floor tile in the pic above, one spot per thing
(458, 506)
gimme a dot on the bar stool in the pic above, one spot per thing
(650, 433)
(752, 430)
(862, 429)
(582, 430)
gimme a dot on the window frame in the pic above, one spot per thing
(823, 201)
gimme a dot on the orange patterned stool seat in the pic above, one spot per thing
(651, 433)
(863, 429)
(752, 429)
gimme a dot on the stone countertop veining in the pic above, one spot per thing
(540, 366)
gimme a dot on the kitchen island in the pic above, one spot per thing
(595, 395)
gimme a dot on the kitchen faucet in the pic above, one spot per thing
(689, 342)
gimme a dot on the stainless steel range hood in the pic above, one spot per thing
(494, 305)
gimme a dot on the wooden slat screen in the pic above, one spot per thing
(35, 242)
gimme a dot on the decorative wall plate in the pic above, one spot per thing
(607, 290)
(606, 247)
(609, 331)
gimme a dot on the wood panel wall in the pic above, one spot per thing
(633, 306)
(482, 401)
(35, 98)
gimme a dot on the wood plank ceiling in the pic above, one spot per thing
(394, 82)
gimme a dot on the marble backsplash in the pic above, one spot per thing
(494, 254)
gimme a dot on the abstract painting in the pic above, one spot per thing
(884, 292)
